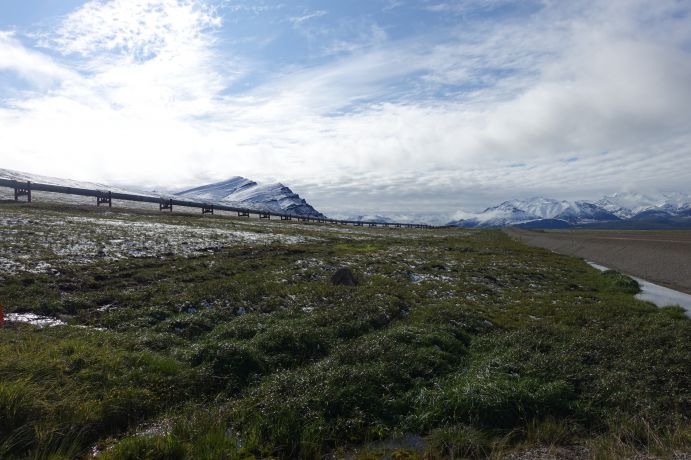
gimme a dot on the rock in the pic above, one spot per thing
(344, 277)
(415, 278)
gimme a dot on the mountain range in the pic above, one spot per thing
(620, 210)
(236, 191)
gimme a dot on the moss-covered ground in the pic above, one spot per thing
(454, 343)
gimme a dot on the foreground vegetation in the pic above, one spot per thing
(454, 344)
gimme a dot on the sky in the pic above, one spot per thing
(360, 106)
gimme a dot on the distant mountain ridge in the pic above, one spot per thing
(246, 193)
(627, 205)
(541, 212)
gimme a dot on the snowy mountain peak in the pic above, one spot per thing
(545, 208)
(499, 216)
(626, 205)
(241, 192)
(220, 190)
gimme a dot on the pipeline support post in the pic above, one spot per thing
(166, 205)
(243, 214)
(23, 191)
(264, 215)
(207, 209)
(104, 198)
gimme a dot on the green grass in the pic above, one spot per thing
(471, 340)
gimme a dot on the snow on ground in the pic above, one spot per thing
(36, 242)
(31, 318)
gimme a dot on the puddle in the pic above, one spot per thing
(31, 318)
(659, 295)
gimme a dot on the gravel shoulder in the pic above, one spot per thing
(662, 257)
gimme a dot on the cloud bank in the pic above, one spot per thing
(499, 100)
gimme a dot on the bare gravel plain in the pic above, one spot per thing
(662, 257)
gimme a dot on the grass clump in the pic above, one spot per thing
(224, 365)
(159, 447)
(494, 401)
(460, 441)
(620, 282)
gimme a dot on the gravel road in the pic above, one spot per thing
(662, 257)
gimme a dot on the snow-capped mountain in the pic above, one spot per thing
(626, 205)
(237, 191)
(569, 211)
(245, 193)
(545, 208)
(582, 212)
(521, 211)
(498, 216)
(553, 213)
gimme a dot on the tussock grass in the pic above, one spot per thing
(476, 343)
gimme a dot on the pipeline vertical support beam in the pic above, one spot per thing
(23, 191)
(104, 198)
(166, 205)
(207, 209)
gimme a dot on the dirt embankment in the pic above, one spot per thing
(663, 257)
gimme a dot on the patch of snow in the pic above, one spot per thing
(35, 244)
(33, 319)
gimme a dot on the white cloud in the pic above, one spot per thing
(33, 66)
(369, 131)
(298, 20)
(139, 28)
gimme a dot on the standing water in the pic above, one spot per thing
(659, 295)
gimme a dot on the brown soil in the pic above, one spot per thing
(662, 257)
